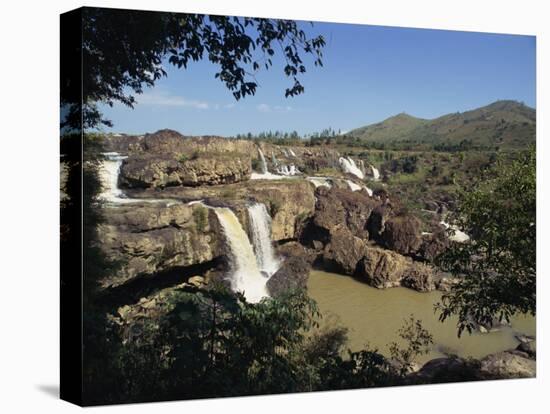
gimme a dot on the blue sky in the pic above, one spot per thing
(369, 74)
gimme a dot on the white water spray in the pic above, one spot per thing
(349, 166)
(263, 162)
(246, 276)
(260, 224)
(375, 173)
(320, 181)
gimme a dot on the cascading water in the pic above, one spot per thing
(263, 162)
(349, 166)
(352, 186)
(320, 181)
(109, 172)
(260, 223)
(246, 276)
(458, 235)
(274, 159)
(375, 173)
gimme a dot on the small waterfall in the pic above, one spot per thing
(109, 173)
(356, 187)
(375, 173)
(264, 163)
(320, 181)
(274, 159)
(352, 186)
(246, 275)
(349, 166)
(260, 223)
(288, 171)
(458, 235)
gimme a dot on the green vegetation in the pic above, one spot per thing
(418, 342)
(212, 343)
(180, 38)
(497, 269)
(502, 124)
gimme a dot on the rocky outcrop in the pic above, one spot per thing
(336, 207)
(289, 202)
(433, 245)
(159, 171)
(382, 268)
(377, 221)
(402, 234)
(147, 239)
(419, 277)
(293, 274)
(508, 364)
(344, 251)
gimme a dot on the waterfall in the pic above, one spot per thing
(458, 235)
(110, 192)
(320, 181)
(264, 164)
(348, 166)
(260, 223)
(375, 173)
(356, 187)
(292, 152)
(274, 159)
(108, 173)
(246, 276)
(352, 186)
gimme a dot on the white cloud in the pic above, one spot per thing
(264, 107)
(163, 98)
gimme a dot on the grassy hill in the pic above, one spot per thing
(505, 124)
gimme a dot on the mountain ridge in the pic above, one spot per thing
(503, 123)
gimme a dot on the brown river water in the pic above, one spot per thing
(374, 316)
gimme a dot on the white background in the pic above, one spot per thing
(29, 298)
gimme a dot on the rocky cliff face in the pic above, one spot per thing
(161, 170)
(147, 239)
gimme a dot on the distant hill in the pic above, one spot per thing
(507, 124)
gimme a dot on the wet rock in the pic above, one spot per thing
(293, 274)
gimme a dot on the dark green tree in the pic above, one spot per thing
(497, 268)
(123, 52)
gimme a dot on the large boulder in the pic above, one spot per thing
(508, 364)
(382, 268)
(447, 369)
(377, 220)
(147, 239)
(433, 245)
(336, 207)
(293, 274)
(344, 251)
(402, 234)
(420, 277)
(290, 203)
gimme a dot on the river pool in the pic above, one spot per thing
(374, 316)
